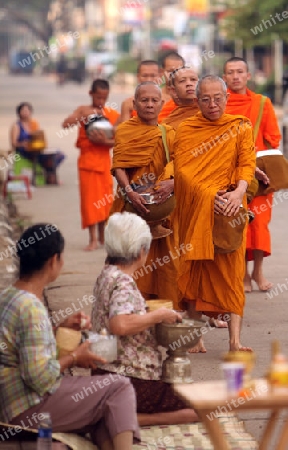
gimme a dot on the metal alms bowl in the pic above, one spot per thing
(178, 338)
(157, 211)
(99, 123)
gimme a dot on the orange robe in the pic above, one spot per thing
(258, 235)
(179, 114)
(95, 181)
(168, 107)
(139, 150)
(209, 156)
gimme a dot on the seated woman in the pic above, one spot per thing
(32, 378)
(20, 136)
(121, 309)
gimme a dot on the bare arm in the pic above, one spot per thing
(82, 357)
(129, 324)
(14, 135)
(74, 118)
(126, 109)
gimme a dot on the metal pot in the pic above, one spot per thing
(178, 338)
(99, 123)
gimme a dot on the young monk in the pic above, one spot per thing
(243, 101)
(171, 62)
(96, 186)
(147, 70)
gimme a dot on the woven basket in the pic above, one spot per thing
(156, 304)
(67, 340)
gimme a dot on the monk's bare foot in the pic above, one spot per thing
(247, 283)
(198, 348)
(217, 323)
(263, 284)
(239, 348)
(91, 246)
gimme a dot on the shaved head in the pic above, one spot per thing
(233, 60)
(210, 79)
(146, 84)
(148, 102)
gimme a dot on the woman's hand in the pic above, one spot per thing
(137, 201)
(86, 358)
(78, 321)
(169, 316)
(163, 190)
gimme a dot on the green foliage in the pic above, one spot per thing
(127, 64)
(96, 43)
(32, 13)
(243, 17)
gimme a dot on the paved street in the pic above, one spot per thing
(265, 318)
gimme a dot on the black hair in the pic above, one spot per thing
(147, 62)
(172, 55)
(36, 246)
(100, 83)
(22, 105)
(235, 59)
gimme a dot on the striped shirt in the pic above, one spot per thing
(28, 365)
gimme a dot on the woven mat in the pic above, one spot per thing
(173, 437)
(195, 437)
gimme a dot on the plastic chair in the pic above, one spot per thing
(12, 177)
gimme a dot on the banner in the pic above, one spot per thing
(197, 7)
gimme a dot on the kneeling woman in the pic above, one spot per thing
(30, 374)
(121, 309)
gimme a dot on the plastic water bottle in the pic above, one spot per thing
(44, 441)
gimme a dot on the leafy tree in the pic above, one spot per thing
(32, 13)
(42, 17)
(256, 22)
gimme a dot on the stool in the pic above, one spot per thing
(12, 177)
(37, 171)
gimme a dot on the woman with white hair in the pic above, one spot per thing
(121, 309)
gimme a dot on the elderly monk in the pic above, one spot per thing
(183, 83)
(170, 62)
(147, 70)
(139, 158)
(213, 151)
(95, 181)
(243, 101)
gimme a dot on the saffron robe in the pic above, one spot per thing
(258, 235)
(179, 114)
(209, 156)
(95, 181)
(168, 107)
(140, 151)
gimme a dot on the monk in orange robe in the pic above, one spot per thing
(213, 151)
(243, 101)
(147, 70)
(183, 83)
(171, 62)
(94, 164)
(139, 157)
